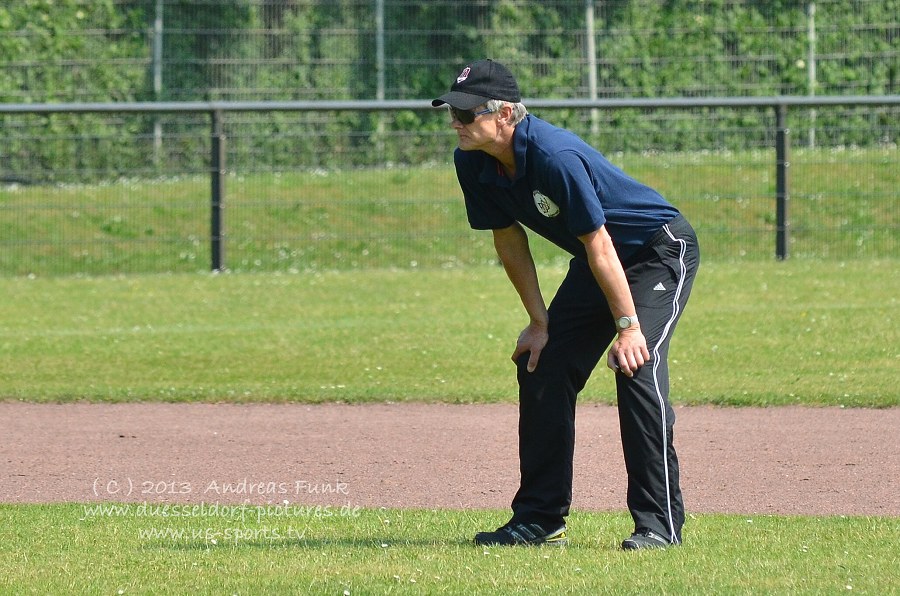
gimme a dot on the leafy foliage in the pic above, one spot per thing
(80, 50)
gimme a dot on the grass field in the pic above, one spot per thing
(755, 334)
(795, 332)
(73, 549)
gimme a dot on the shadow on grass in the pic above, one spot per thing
(322, 544)
(304, 543)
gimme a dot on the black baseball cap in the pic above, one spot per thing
(478, 82)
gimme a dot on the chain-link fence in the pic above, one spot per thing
(172, 50)
(293, 197)
(313, 188)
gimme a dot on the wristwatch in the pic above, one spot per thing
(623, 323)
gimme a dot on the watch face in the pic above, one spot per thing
(626, 322)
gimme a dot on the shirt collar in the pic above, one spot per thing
(493, 173)
(520, 145)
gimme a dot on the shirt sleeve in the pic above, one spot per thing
(481, 208)
(570, 178)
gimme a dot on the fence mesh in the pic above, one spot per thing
(88, 50)
(297, 198)
(99, 193)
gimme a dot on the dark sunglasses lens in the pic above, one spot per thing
(464, 116)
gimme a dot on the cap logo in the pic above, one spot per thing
(463, 75)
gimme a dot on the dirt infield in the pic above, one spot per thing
(817, 461)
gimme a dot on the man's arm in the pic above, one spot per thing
(512, 247)
(629, 351)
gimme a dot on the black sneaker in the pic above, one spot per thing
(645, 539)
(522, 534)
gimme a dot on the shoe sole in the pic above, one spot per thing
(555, 543)
(631, 545)
(560, 539)
(643, 543)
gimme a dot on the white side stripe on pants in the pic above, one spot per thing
(676, 308)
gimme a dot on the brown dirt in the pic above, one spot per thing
(809, 461)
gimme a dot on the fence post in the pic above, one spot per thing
(217, 203)
(591, 48)
(157, 68)
(782, 182)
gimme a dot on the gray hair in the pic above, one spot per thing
(519, 110)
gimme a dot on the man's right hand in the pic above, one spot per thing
(532, 339)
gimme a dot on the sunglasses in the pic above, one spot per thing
(466, 116)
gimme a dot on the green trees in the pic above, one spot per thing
(102, 50)
(70, 50)
(79, 50)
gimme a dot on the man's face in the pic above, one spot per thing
(480, 133)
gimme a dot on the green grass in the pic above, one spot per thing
(762, 334)
(843, 205)
(69, 549)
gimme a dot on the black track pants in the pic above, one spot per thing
(581, 329)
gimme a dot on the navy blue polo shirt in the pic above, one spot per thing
(563, 188)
